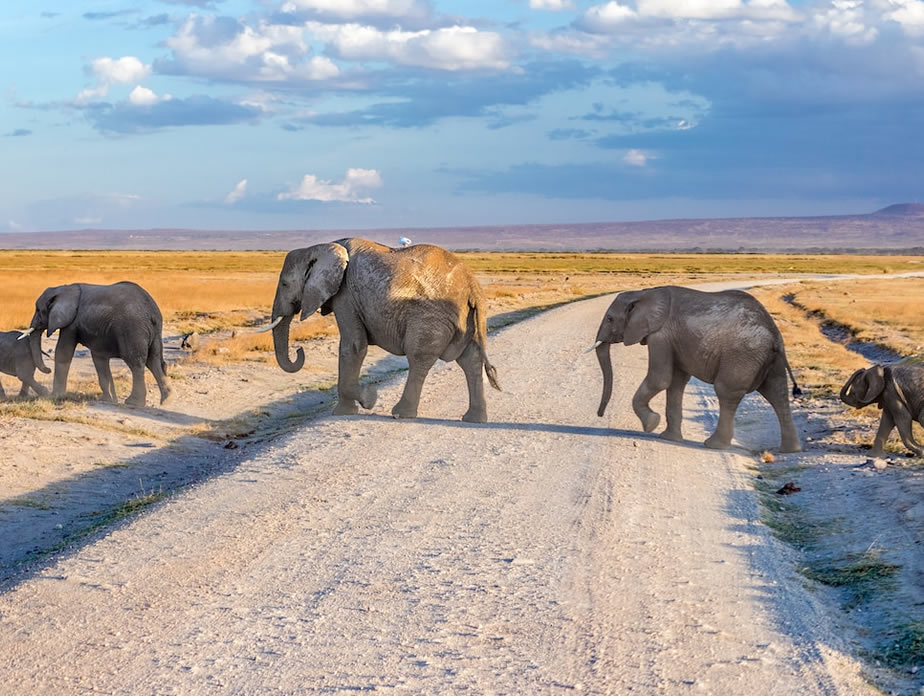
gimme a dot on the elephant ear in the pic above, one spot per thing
(847, 391)
(870, 386)
(63, 307)
(646, 315)
(323, 275)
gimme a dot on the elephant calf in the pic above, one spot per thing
(899, 391)
(726, 339)
(114, 321)
(16, 359)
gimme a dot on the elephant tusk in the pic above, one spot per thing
(271, 326)
(594, 346)
(25, 333)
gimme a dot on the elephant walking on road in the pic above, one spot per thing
(899, 391)
(113, 321)
(727, 339)
(16, 359)
(420, 301)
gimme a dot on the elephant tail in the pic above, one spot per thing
(796, 392)
(481, 339)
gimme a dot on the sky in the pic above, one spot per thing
(359, 114)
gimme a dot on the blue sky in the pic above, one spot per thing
(286, 114)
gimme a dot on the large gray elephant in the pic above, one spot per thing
(16, 359)
(726, 339)
(420, 301)
(113, 321)
(899, 391)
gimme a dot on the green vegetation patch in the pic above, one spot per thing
(860, 576)
(904, 647)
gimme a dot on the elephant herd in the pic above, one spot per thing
(423, 302)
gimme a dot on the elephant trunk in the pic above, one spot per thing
(603, 356)
(281, 347)
(35, 347)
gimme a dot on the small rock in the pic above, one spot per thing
(879, 463)
(635, 443)
(788, 488)
(231, 445)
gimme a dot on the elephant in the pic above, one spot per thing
(420, 301)
(727, 339)
(113, 321)
(899, 391)
(16, 359)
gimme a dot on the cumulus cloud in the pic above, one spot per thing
(237, 193)
(354, 9)
(224, 47)
(350, 190)
(606, 18)
(613, 16)
(449, 48)
(909, 14)
(846, 19)
(112, 71)
(636, 158)
(553, 5)
(142, 96)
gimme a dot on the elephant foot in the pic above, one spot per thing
(368, 395)
(134, 402)
(671, 435)
(717, 443)
(165, 395)
(346, 408)
(649, 420)
(402, 410)
(475, 416)
(791, 447)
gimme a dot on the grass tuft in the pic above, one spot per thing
(860, 576)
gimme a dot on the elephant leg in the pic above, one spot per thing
(886, 423)
(418, 368)
(139, 394)
(350, 363)
(903, 422)
(674, 411)
(728, 405)
(2, 392)
(104, 374)
(35, 386)
(775, 390)
(64, 353)
(472, 365)
(156, 366)
(653, 384)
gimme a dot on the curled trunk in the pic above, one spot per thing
(603, 357)
(35, 347)
(281, 347)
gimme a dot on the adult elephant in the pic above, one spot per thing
(726, 339)
(420, 301)
(113, 321)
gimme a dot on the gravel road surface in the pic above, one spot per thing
(549, 551)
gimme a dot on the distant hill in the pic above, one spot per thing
(904, 209)
(890, 230)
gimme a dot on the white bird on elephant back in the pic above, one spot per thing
(420, 301)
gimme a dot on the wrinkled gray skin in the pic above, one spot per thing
(726, 339)
(113, 321)
(16, 359)
(899, 391)
(420, 301)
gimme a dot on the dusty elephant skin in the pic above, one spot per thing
(420, 301)
(17, 359)
(113, 321)
(898, 391)
(726, 339)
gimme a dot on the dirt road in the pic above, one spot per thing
(548, 551)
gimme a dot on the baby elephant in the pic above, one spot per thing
(898, 391)
(16, 359)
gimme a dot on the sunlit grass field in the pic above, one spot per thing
(213, 292)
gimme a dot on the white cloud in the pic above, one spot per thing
(909, 13)
(238, 192)
(553, 5)
(846, 19)
(349, 191)
(448, 48)
(112, 71)
(606, 18)
(573, 42)
(266, 52)
(14, 226)
(636, 158)
(142, 96)
(612, 15)
(351, 9)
